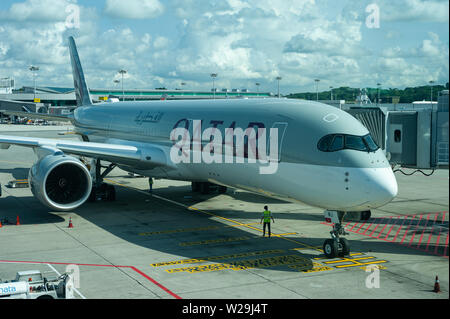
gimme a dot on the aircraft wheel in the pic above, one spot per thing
(330, 248)
(110, 193)
(222, 189)
(204, 188)
(366, 215)
(93, 195)
(195, 186)
(344, 247)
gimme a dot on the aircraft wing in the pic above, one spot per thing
(41, 116)
(142, 156)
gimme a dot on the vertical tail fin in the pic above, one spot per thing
(81, 88)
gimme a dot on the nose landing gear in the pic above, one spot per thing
(336, 246)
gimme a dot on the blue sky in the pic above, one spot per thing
(163, 43)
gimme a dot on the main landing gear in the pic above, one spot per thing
(206, 187)
(101, 190)
(336, 246)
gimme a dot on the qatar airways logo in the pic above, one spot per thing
(234, 146)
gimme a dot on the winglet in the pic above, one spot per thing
(81, 88)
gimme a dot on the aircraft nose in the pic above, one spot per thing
(384, 187)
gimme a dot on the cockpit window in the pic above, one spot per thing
(370, 143)
(337, 142)
(325, 142)
(355, 143)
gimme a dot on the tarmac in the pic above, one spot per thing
(176, 244)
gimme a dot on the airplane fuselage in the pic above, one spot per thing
(346, 179)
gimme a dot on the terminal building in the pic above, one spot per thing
(65, 97)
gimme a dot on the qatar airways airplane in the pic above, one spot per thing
(314, 153)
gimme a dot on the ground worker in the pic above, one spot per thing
(266, 216)
(150, 182)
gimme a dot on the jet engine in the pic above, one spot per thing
(60, 182)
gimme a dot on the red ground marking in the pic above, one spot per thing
(417, 247)
(414, 234)
(398, 231)
(97, 265)
(395, 222)
(423, 231)
(376, 227)
(406, 231)
(431, 232)
(383, 228)
(370, 225)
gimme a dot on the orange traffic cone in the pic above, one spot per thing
(70, 223)
(17, 221)
(437, 288)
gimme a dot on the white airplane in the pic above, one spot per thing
(324, 156)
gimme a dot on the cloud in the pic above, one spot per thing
(415, 10)
(243, 41)
(37, 10)
(134, 9)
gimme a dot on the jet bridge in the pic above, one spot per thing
(413, 137)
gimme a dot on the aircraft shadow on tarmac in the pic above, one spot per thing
(17, 173)
(174, 230)
(149, 222)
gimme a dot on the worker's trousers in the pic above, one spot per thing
(264, 228)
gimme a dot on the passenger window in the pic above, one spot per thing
(338, 143)
(397, 136)
(355, 143)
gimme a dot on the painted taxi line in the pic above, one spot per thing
(347, 262)
(188, 230)
(211, 258)
(215, 241)
(317, 267)
(248, 264)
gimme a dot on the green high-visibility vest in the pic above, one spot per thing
(266, 216)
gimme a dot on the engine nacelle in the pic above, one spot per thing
(60, 182)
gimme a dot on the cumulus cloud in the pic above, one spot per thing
(243, 41)
(134, 9)
(37, 10)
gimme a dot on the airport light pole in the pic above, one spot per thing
(378, 99)
(278, 78)
(213, 76)
(257, 88)
(431, 91)
(331, 93)
(123, 72)
(34, 69)
(317, 89)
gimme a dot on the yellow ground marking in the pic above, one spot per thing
(352, 254)
(183, 230)
(283, 234)
(244, 264)
(316, 268)
(211, 258)
(214, 241)
(354, 262)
